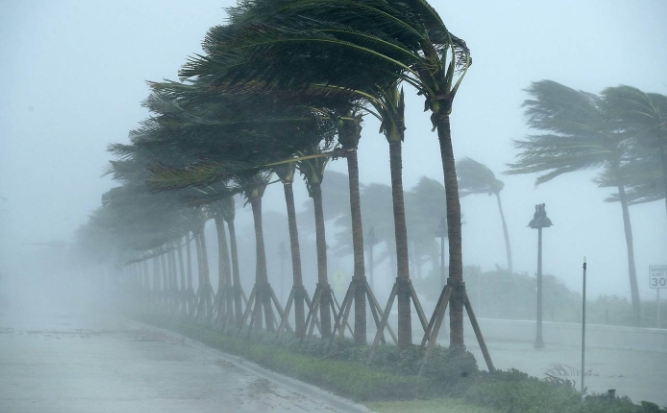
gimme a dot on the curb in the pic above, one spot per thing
(298, 386)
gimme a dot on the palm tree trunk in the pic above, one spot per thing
(174, 277)
(663, 161)
(165, 279)
(322, 274)
(236, 278)
(358, 246)
(224, 269)
(261, 275)
(453, 227)
(401, 235)
(190, 290)
(200, 301)
(632, 272)
(207, 276)
(297, 277)
(508, 248)
(181, 267)
(156, 278)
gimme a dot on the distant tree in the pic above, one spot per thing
(477, 178)
(425, 207)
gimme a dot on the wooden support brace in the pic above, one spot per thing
(374, 303)
(418, 308)
(439, 315)
(345, 308)
(478, 332)
(383, 323)
(288, 308)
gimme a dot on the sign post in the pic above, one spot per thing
(657, 281)
(583, 334)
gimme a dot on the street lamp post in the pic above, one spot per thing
(538, 222)
(372, 240)
(442, 233)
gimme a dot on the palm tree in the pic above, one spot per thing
(477, 178)
(254, 186)
(224, 297)
(642, 117)
(298, 294)
(425, 207)
(579, 136)
(312, 170)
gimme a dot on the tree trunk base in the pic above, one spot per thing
(431, 333)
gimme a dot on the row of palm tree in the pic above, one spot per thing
(273, 87)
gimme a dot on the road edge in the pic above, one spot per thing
(299, 386)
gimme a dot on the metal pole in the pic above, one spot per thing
(583, 333)
(658, 309)
(539, 342)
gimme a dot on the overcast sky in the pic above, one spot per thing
(72, 76)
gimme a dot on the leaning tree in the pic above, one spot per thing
(578, 135)
(477, 178)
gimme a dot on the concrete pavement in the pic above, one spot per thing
(74, 362)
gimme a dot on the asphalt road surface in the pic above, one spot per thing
(66, 361)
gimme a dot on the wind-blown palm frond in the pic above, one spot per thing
(580, 136)
(199, 174)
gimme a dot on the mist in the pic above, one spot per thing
(74, 75)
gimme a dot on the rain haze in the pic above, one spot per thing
(73, 77)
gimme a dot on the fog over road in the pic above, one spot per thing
(67, 361)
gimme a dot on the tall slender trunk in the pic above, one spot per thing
(358, 245)
(165, 277)
(198, 257)
(236, 278)
(663, 161)
(173, 275)
(297, 277)
(632, 272)
(261, 275)
(207, 275)
(190, 290)
(453, 227)
(401, 235)
(224, 269)
(322, 273)
(184, 287)
(156, 276)
(200, 302)
(508, 248)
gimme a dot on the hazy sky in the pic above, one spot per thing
(72, 76)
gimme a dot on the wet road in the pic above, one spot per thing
(69, 362)
(631, 360)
